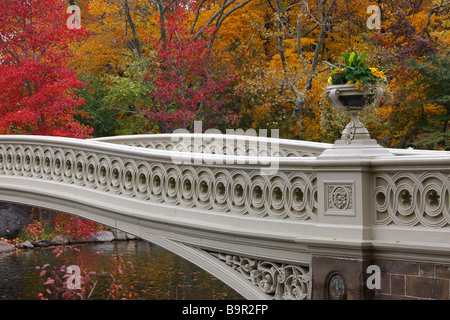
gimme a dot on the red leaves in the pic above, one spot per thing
(401, 40)
(40, 100)
(38, 91)
(74, 226)
(187, 87)
(131, 265)
(43, 271)
(35, 30)
(79, 227)
(58, 277)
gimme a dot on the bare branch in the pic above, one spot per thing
(321, 37)
(280, 36)
(220, 21)
(300, 96)
(196, 17)
(134, 43)
(225, 5)
(299, 34)
(437, 9)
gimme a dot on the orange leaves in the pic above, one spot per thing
(248, 42)
(33, 231)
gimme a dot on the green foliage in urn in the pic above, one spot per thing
(356, 71)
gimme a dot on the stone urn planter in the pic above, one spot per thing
(348, 98)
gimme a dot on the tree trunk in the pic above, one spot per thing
(134, 43)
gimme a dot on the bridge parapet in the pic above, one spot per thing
(227, 205)
(223, 144)
(242, 210)
(212, 183)
(412, 194)
(241, 145)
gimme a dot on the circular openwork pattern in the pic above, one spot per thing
(286, 195)
(258, 195)
(409, 199)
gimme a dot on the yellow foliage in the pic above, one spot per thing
(106, 48)
(247, 41)
(434, 109)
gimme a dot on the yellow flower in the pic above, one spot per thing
(377, 73)
(330, 81)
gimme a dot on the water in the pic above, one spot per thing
(157, 275)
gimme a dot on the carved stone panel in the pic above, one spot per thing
(339, 197)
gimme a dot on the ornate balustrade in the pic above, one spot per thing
(162, 177)
(412, 199)
(408, 191)
(262, 207)
(241, 145)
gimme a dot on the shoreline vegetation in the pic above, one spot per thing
(37, 228)
(17, 244)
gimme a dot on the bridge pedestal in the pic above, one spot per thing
(339, 264)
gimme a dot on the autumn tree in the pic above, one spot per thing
(293, 35)
(276, 51)
(433, 131)
(409, 33)
(157, 62)
(186, 86)
(38, 93)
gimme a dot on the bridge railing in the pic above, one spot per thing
(222, 144)
(390, 199)
(411, 199)
(243, 145)
(212, 182)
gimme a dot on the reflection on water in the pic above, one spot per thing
(157, 274)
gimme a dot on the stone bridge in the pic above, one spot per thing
(272, 218)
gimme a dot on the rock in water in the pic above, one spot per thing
(44, 243)
(6, 247)
(61, 240)
(25, 245)
(131, 237)
(120, 235)
(104, 236)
